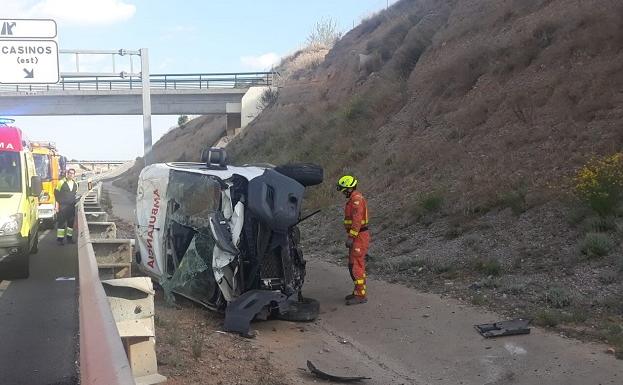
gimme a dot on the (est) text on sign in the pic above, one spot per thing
(28, 61)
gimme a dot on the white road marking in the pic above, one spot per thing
(3, 286)
(43, 235)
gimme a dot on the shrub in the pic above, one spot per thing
(599, 224)
(431, 202)
(600, 183)
(577, 214)
(479, 299)
(183, 119)
(487, 266)
(608, 277)
(269, 98)
(174, 337)
(196, 345)
(558, 297)
(515, 199)
(324, 33)
(547, 317)
(596, 245)
(356, 109)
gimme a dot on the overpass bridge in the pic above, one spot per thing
(234, 95)
(95, 165)
(171, 94)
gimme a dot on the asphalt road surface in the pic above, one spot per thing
(39, 319)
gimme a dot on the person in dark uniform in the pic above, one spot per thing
(65, 194)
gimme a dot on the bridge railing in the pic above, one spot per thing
(197, 81)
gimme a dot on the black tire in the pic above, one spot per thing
(305, 311)
(307, 174)
(35, 245)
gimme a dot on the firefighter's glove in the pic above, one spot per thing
(349, 243)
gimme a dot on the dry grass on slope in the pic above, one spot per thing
(465, 126)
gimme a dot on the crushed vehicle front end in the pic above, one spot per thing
(225, 237)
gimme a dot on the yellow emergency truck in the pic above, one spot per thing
(19, 192)
(50, 166)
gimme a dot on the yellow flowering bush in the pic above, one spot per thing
(600, 183)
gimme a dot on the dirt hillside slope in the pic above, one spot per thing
(182, 144)
(466, 122)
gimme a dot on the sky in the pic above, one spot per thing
(183, 36)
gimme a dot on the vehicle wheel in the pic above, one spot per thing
(35, 244)
(304, 311)
(307, 174)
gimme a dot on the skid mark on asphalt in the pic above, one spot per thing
(3, 286)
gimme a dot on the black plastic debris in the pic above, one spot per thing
(241, 311)
(330, 377)
(504, 328)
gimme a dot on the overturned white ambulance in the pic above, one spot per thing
(226, 236)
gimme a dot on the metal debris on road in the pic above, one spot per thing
(66, 278)
(504, 328)
(330, 377)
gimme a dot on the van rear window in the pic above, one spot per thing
(10, 175)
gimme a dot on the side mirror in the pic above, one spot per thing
(35, 186)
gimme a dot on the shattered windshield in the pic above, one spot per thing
(193, 197)
(10, 176)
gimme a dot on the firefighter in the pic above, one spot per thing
(358, 240)
(65, 194)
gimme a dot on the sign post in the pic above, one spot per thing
(28, 51)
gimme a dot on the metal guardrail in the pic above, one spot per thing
(102, 356)
(197, 81)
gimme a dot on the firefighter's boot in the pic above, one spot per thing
(356, 300)
(349, 297)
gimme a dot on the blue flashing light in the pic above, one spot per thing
(5, 121)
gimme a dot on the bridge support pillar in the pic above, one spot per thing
(233, 118)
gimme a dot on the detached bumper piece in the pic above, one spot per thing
(241, 311)
(331, 377)
(504, 328)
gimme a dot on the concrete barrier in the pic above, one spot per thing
(117, 343)
(102, 355)
(114, 257)
(102, 230)
(97, 216)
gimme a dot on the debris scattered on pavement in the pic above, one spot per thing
(330, 377)
(504, 328)
(610, 351)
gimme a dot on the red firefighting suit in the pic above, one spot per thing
(356, 224)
